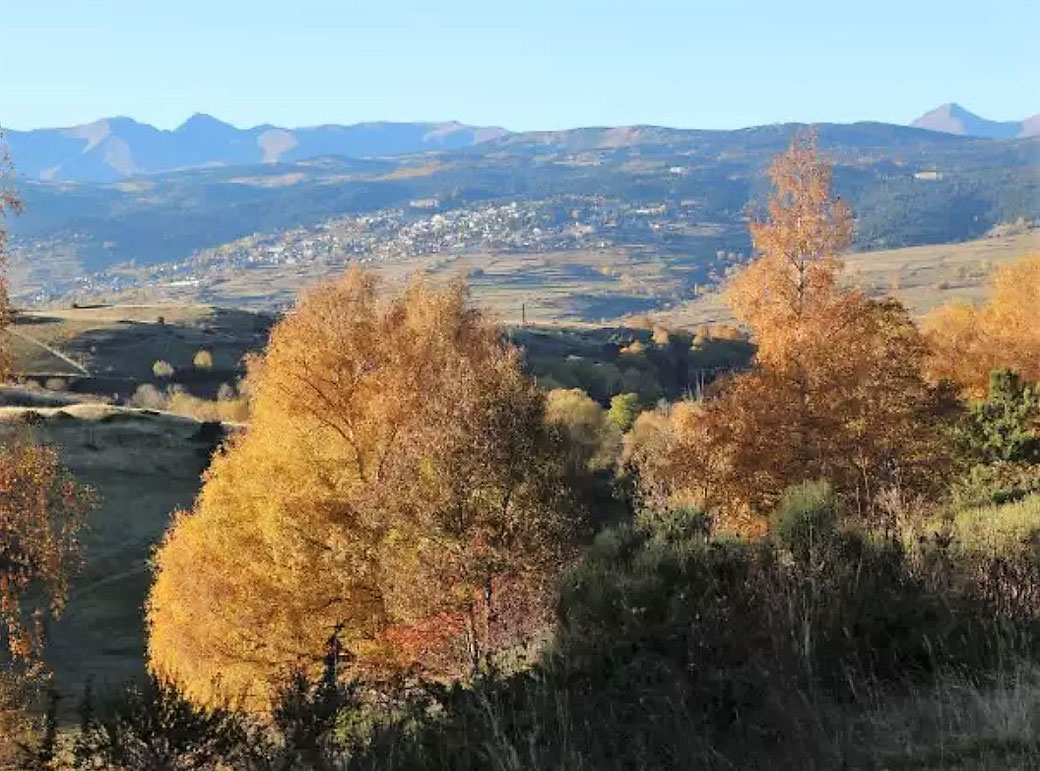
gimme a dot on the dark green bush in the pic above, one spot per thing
(1004, 427)
(998, 438)
(821, 606)
(155, 726)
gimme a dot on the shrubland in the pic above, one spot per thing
(230, 406)
(420, 555)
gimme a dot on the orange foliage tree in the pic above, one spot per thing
(673, 453)
(399, 488)
(835, 388)
(968, 343)
(42, 511)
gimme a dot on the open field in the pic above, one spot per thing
(581, 285)
(921, 276)
(602, 286)
(143, 466)
(568, 287)
(111, 349)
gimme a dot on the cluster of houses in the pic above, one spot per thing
(423, 228)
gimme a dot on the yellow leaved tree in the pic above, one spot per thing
(399, 488)
(835, 390)
(968, 343)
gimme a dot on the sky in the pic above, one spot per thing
(521, 64)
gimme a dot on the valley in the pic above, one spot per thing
(599, 222)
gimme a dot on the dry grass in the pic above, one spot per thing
(143, 466)
(996, 529)
(920, 276)
(957, 723)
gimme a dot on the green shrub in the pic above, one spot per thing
(806, 517)
(203, 360)
(995, 484)
(624, 409)
(821, 606)
(162, 369)
(1005, 426)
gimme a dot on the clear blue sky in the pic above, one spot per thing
(523, 64)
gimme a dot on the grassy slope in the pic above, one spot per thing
(143, 467)
(127, 339)
(920, 276)
(119, 344)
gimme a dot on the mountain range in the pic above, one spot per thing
(951, 118)
(111, 149)
(114, 149)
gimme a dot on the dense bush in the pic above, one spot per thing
(677, 648)
(998, 438)
(806, 518)
(821, 606)
(1003, 427)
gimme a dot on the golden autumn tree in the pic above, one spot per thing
(967, 343)
(835, 389)
(42, 510)
(399, 488)
(41, 515)
(672, 452)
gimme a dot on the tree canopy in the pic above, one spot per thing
(834, 390)
(967, 343)
(399, 488)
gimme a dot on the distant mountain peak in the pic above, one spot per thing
(952, 118)
(201, 120)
